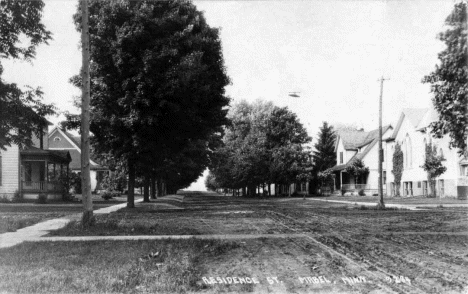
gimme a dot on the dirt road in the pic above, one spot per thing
(343, 249)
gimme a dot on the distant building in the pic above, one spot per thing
(60, 139)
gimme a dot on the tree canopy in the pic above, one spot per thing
(262, 144)
(22, 112)
(157, 84)
(449, 80)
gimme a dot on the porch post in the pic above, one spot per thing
(341, 179)
(46, 177)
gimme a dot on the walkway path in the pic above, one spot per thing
(404, 206)
(38, 230)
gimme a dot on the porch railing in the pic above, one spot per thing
(41, 186)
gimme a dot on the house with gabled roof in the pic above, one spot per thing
(352, 145)
(33, 169)
(413, 132)
(60, 139)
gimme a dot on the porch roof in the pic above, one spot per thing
(58, 156)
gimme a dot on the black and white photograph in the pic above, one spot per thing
(233, 146)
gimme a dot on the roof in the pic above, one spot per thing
(76, 162)
(60, 155)
(76, 153)
(352, 140)
(361, 139)
(419, 118)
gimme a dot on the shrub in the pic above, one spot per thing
(109, 194)
(42, 198)
(343, 191)
(5, 199)
(17, 197)
(361, 192)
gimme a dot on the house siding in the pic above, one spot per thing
(9, 170)
(414, 159)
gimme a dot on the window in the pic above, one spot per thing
(463, 170)
(57, 139)
(441, 188)
(384, 177)
(341, 157)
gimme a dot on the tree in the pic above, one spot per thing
(449, 81)
(210, 182)
(157, 80)
(397, 171)
(433, 166)
(262, 145)
(324, 156)
(21, 112)
(357, 169)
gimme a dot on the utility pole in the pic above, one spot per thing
(381, 204)
(85, 173)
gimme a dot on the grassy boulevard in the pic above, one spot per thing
(342, 249)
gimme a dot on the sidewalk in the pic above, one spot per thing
(404, 206)
(38, 230)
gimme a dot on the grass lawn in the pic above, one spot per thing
(14, 216)
(109, 267)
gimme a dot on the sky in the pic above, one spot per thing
(332, 52)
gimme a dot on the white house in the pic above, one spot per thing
(33, 169)
(358, 144)
(412, 132)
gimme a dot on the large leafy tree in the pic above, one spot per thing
(157, 80)
(449, 80)
(21, 111)
(262, 145)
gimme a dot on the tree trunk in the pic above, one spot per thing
(146, 189)
(153, 187)
(289, 190)
(243, 191)
(131, 184)
(87, 218)
(269, 189)
(159, 187)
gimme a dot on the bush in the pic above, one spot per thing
(5, 199)
(18, 197)
(343, 191)
(109, 194)
(361, 192)
(42, 198)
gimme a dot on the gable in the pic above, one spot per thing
(58, 140)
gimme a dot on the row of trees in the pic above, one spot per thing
(157, 90)
(266, 144)
(263, 144)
